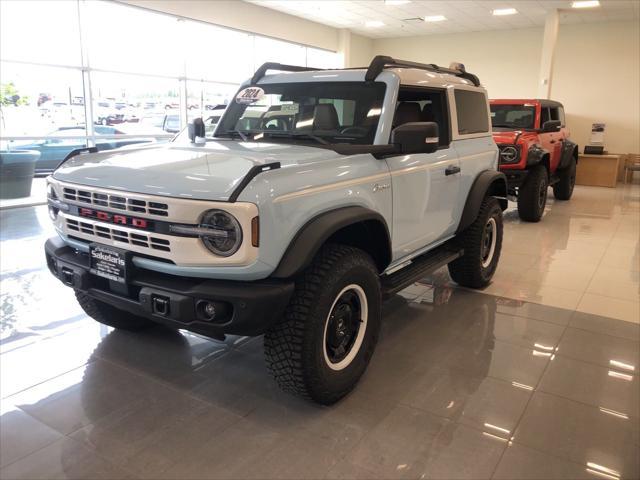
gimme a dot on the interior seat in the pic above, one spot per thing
(406, 112)
(427, 113)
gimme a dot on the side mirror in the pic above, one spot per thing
(196, 130)
(416, 137)
(551, 126)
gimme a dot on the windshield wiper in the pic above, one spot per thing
(296, 135)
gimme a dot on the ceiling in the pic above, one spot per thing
(461, 15)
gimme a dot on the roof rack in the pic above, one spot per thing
(380, 62)
(279, 66)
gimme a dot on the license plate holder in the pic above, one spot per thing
(109, 262)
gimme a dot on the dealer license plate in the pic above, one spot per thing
(109, 262)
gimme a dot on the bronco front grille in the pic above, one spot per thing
(117, 202)
(138, 239)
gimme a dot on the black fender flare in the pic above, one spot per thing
(488, 182)
(569, 151)
(536, 155)
(310, 238)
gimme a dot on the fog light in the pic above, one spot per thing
(210, 311)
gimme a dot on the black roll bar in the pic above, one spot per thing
(380, 62)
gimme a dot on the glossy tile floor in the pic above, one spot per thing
(535, 378)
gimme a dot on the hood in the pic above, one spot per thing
(506, 136)
(208, 172)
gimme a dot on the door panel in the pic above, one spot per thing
(423, 197)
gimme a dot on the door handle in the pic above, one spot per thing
(452, 170)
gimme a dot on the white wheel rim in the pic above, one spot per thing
(355, 348)
(491, 225)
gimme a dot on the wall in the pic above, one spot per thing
(595, 75)
(507, 61)
(250, 18)
(597, 78)
(361, 51)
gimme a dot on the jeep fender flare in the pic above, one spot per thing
(536, 155)
(569, 151)
(317, 231)
(487, 183)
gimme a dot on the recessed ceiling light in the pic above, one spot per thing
(396, 2)
(505, 11)
(585, 4)
(374, 23)
(434, 18)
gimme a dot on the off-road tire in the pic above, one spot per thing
(295, 348)
(532, 195)
(567, 180)
(470, 270)
(111, 316)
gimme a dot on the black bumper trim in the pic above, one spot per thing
(252, 307)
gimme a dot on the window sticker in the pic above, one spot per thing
(249, 95)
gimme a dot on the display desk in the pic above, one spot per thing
(597, 170)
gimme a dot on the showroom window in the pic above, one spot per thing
(472, 112)
(138, 75)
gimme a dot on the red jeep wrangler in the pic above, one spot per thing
(535, 152)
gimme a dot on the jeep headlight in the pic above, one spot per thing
(226, 233)
(509, 154)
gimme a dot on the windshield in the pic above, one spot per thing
(317, 112)
(513, 116)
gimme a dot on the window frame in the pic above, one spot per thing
(83, 20)
(445, 109)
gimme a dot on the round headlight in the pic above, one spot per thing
(509, 154)
(226, 235)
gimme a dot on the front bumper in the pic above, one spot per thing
(246, 308)
(515, 178)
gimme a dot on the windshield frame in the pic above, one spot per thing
(236, 111)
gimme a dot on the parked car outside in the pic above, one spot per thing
(54, 150)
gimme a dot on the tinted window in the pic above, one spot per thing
(561, 116)
(513, 116)
(472, 112)
(544, 115)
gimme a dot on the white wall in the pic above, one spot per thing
(361, 51)
(597, 78)
(595, 75)
(507, 61)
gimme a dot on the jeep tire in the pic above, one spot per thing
(532, 195)
(566, 181)
(111, 316)
(482, 242)
(323, 344)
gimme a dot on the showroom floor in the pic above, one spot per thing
(534, 378)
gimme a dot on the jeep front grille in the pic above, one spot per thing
(139, 239)
(117, 202)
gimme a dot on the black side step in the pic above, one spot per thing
(419, 267)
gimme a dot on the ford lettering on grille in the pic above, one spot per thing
(115, 218)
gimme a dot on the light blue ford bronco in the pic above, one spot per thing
(320, 193)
